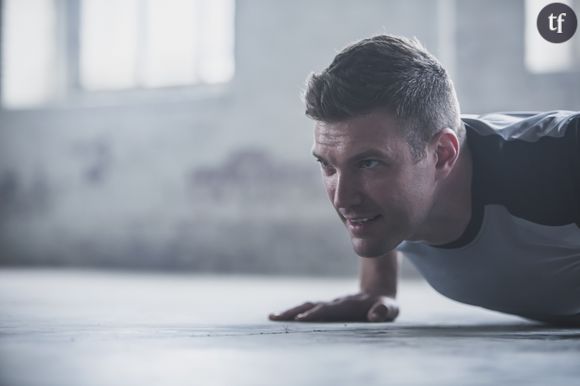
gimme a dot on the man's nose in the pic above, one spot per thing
(346, 192)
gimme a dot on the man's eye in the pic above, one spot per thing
(369, 163)
(325, 166)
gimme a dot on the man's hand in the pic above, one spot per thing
(360, 307)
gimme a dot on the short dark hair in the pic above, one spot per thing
(391, 73)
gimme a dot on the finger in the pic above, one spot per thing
(378, 313)
(383, 312)
(334, 312)
(291, 313)
(316, 313)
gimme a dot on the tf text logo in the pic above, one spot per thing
(557, 22)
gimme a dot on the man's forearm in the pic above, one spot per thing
(378, 275)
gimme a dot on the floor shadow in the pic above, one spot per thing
(524, 331)
(495, 331)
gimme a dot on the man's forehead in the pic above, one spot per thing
(356, 136)
(375, 121)
(330, 134)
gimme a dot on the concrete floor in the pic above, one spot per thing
(77, 328)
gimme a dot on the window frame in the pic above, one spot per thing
(69, 92)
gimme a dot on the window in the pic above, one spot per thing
(28, 51)
(542, 56)
(53, 49)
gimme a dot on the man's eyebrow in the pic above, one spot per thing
(363, 154)
(316, 155)
(370, 153)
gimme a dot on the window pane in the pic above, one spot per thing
(217, 41)
(109, 33)
(154, 43)
(28, 57)
(170, 43)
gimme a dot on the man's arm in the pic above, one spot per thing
(374, 303)
(379, 275)
(378, 278)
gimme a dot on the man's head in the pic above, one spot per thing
(387, 135)
(387, 73)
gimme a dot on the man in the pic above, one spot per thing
(487, 208)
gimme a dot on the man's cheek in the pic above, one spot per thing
(329, 187)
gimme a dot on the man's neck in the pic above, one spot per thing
(451, 215)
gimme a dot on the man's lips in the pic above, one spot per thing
(360, 225)
(361, 220)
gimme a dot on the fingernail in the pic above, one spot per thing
(379, 314)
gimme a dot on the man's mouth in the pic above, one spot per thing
(359, 226)
(361, 220)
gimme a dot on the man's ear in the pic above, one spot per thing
(446, 151)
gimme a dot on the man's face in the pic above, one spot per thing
(379, 191)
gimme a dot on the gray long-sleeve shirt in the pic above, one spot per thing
(520, 253)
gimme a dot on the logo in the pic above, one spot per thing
(557, 23)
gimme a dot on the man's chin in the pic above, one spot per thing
(371, 248)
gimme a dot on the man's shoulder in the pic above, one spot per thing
(528, 163)
(525, 126)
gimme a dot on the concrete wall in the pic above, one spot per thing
(221, 179)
